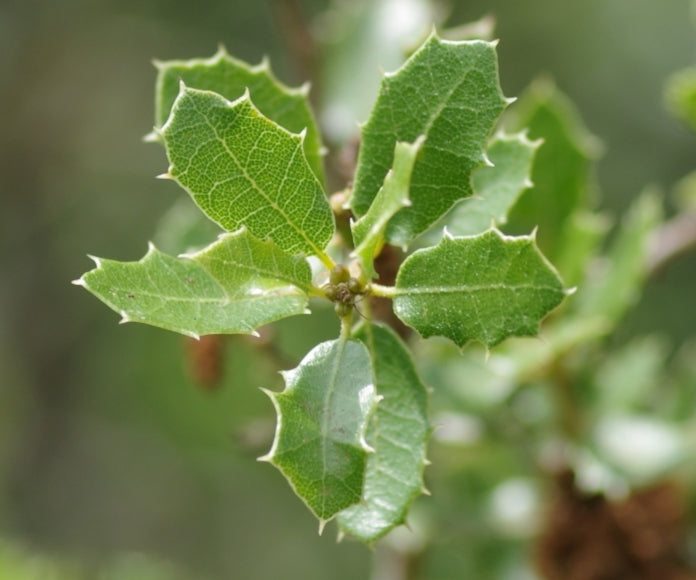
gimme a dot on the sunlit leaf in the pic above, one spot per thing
(243, 169)
(230, 78)
(234, 286)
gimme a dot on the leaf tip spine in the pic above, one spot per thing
(509, 100)
(124, 317)
(166, 175)
(322, 525)
(570, 291)
(79, 282)
(97, 261)
(154, 136)
(221, 52)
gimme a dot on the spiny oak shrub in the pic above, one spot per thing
(433, 177)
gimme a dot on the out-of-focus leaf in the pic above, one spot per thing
(617, 281)
(230, 78)
(358, 39)
(449, 92)
(183, 228)
(497, 187)
(323, 415)
(398, 433)
(368, 231)
(234, 286)
(243, 169)
(485, 288)
(562, 172)
(680, 96)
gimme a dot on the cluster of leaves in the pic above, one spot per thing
(432, 175)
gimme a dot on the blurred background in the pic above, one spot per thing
(110, 445)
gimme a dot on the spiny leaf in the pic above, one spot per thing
(368, 231)
(323, 414)
(234, 286)
(497, 187)
(398, 433)
(562, 172)
(243, 169)
(230, 78)
(449, 92)
(485, 288)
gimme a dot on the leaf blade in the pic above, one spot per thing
(458, 101)
(398, 433)
(235, 285)
(243, 169)
(368, 231)
(485, 288)
(319, 445)
(230, 78)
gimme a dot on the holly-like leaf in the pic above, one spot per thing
(449, 92)
(323, 414)
(398, 433)
(234, 286)
(497, 187)
(368, 231)
(563, 168)
(243, 169)
(230, 78)
(485, 288)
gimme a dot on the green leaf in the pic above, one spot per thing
(230, 78)
(183, 228)
(485, 288)
(680, 96)
(323, 414)
(243, 169)
(234, 286)
(449, 92)
(497, 187)
(563, 169)
(398, 433)
(619, 279)
(368, 231)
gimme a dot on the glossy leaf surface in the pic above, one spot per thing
(234, 286)
(449, 92)
(323, 414)
(398, 433)
(484, 288)
(243, 169)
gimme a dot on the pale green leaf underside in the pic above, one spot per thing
(484, 288)
(368, 231)
(234, 286)
(323, 414)
(398, 433)
(243, 169)
(449, 92)
(230, 78)
(497, 187)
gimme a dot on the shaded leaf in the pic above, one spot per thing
(563, 169)
(234, 286)
(485, 288)
(449, 92)
(497, 187)
(680, 96)
(230, 78)
(368, 231)
(242, 169)
(618, 279)
(398, 433)
(323, 414)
